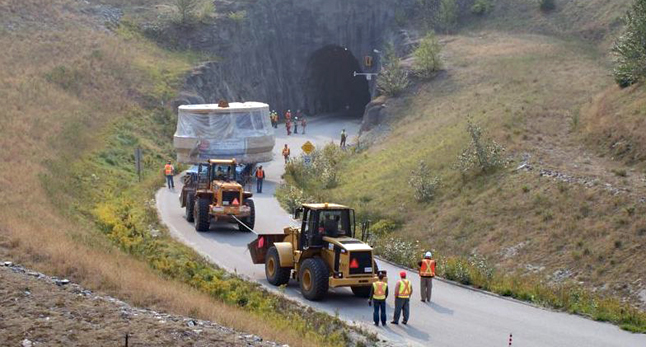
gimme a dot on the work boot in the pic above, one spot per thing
(393, 322)
(405, 322)
(423, 300)
(377, 324)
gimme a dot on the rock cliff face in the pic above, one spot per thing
(292, 53)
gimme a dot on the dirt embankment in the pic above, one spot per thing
(38, 310)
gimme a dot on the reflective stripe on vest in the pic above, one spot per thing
(168, 169)
(405, 289)
(428, 268)
(379, 290)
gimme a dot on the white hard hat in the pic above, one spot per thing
(428, 255)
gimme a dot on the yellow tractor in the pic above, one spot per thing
(215, 193)
(323, 253)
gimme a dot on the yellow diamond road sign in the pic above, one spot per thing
(308, 147)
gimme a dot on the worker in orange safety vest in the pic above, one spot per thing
(169, 171)
(260, 177)
(378, 295)
(426, 274)
(286, 153)
(403, 291)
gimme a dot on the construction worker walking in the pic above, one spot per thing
(286, 153)
(288, 127)
(303, 124)
(260, 177)
(426, 274)
(169, 171)
(295, 125)
(403, 291)
(378, 295)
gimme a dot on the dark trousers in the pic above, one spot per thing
(379, 305)
(259, 184)
(402, 305)
(170, 182)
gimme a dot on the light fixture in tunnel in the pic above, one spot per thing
(367, 74)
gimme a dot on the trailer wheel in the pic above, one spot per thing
(314, 279)
(361, 291)
(276, 274)
(250, 221)
(190, 207)
(202, 216)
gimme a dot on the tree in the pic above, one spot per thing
(393, 78)
(427, 56)
(547, 5)
(448, 15)
(630, 48)
(481, 7)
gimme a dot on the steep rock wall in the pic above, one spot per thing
(265, 56)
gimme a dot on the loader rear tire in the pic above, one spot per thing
(190, 207)
(250, 221)
(202, 216)
(361, 291)
(314, 278)
(276, 275)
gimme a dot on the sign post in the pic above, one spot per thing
(307, 148)
(138, 162)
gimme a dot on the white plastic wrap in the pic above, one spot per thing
(242, 131)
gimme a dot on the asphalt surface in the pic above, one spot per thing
(455, 317)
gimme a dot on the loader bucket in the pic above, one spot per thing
(258, 248)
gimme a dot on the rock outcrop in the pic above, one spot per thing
(270, 55)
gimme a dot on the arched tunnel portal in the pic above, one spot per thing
(330, 85)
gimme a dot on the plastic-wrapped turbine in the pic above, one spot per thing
(242, 131)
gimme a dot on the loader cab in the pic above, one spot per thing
(222, 170)
(319, 220)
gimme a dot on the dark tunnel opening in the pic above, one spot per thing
(330, 85)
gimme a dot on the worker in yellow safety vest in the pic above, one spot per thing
(169, 171)
(426, 274)
(378, 295)
(403, 291)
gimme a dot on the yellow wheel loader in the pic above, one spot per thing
(214, 193)
(323, 253)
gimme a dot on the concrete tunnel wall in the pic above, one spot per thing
(272, 54)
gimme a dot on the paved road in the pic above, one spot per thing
(456, 317)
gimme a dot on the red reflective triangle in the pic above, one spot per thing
(354, 264)
(235, 202)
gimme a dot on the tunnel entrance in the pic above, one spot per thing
(330, 85)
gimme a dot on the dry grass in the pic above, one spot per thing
(615, 122)
(64, 80)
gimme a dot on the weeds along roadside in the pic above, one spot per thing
(303, 184)
(101, 188)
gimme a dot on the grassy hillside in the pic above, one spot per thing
(572, 217)
(77, 99)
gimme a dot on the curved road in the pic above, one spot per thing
(456, 317)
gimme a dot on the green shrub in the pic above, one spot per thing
(427, 56)
(290, 197)
(423, 183)
(188, 12)
(238, 16)
(398, 250)
(630, 48)
(393, 78)
(547, 5)
(481, 7)
(483, 154)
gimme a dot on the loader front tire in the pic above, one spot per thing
(314, 278)
(276, 274)
(202, 216)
